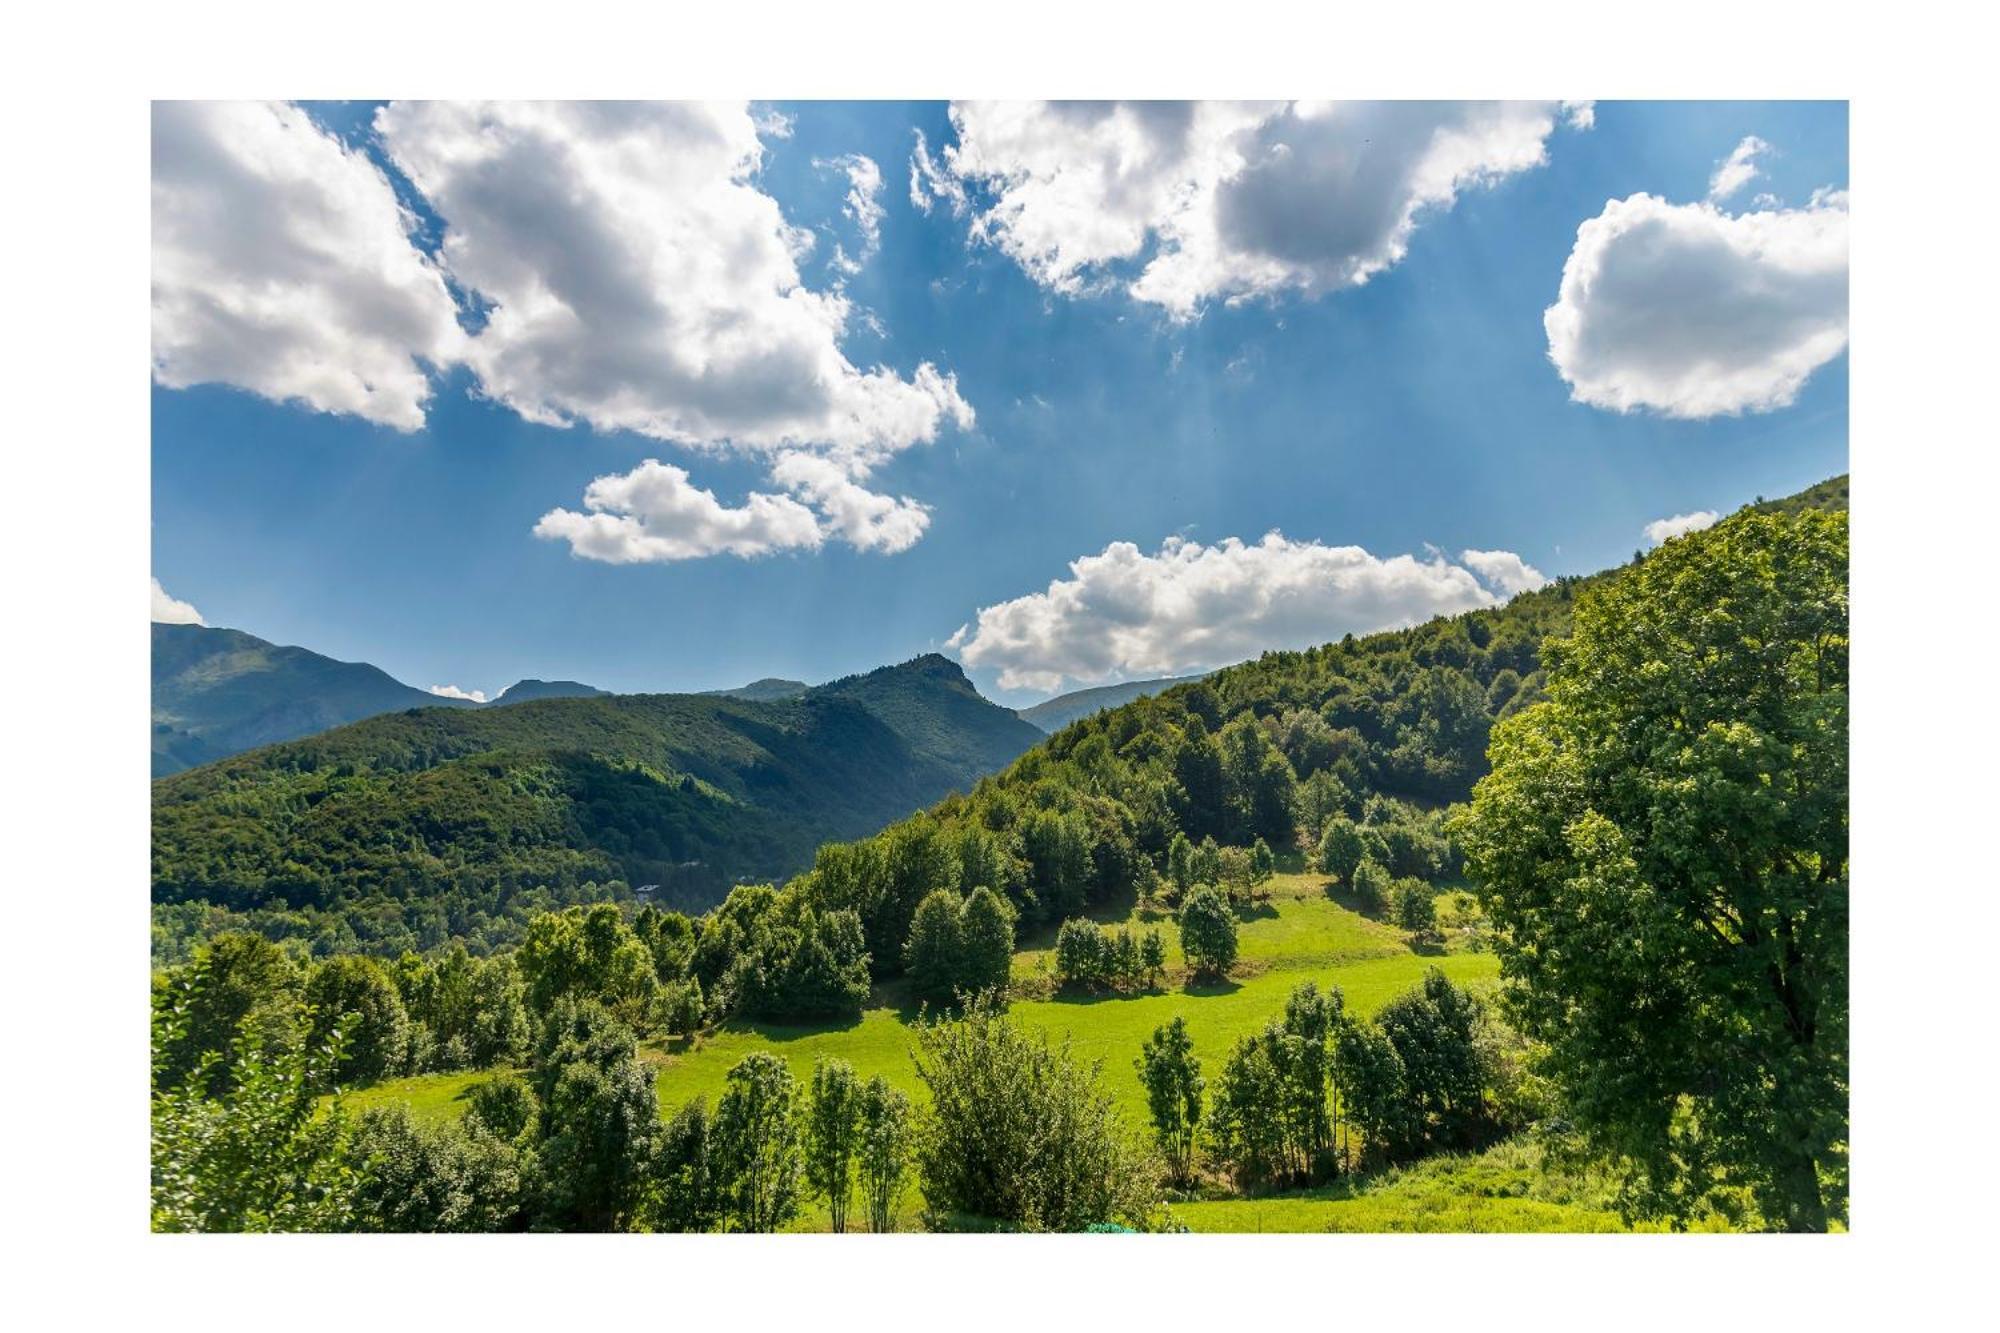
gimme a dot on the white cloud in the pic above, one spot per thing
(1665, 529)
(1694, 312)
(1738, 169)
(863, 205)
(1125, 614)
(641, 281)
(654, 513)
(929, 180)
(282, 265)
(1224, 200)
(1503, 571)
(453, 692)
(857, 515)
(171, 610)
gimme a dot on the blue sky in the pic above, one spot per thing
(1419, 409)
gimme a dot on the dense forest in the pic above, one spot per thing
(1641, 776)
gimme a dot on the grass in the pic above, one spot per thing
(1507, 1188)
(1300, 933)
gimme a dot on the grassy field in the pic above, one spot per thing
(1299, 934)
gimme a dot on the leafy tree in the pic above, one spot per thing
(1082, 958)
(237, 985)
(1172, 1077)
(1662, 846)
(505, 1107)
(756, 1144)
(884, 1156)
(1371, 888)
(1415, 907)
(361, 992)
(599, 1120)
(1435, 1029)
(1246, 1122)
(1373, 1099)
(933, 955)
(259, 1152)
(681, 1007)
(1208, 932)
(1263, 865)
(1180, 864)
(988, 954)
(688, 1193)
(412, 1176)
(1312, 1020)
(1340, 848)
(1153, 956)
(1199, 795)
(1019, 1133)
(833, 1135)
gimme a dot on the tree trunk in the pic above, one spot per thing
(1798, 1185)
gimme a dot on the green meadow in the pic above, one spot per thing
(1299, 934)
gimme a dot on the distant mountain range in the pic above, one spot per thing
(476, 805)
(218, 692)
(765, 690)
(1052, 715)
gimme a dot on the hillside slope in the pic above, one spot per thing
(456, 811)
(220, 691)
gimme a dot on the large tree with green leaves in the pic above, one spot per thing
(1172, 1077)
(883, 1164)
(1662, 844)
(756, 1143)
(833, 1135)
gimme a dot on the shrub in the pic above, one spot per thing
(1208, 932)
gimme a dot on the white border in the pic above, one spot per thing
(76, 543)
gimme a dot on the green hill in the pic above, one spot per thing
(765, 690)
(220, 691)
(452, 817)
(1052, 715)
(525, 691)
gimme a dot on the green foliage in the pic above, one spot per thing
(1435, 1030)
(1208, 932)
(833, 1135)
(1663, 848)
(1019, 1133)
(599, 1120)
(237, 986)
(415, 1176)
(1414, 906)
(688, 1193)
(1094, 957)
(757, 1151)
(1371, 884)
(936, 944)
(1174, 1086)
(360, 993)
(587, 953)
(886, 1132)
(240, 1141)
(1273, 1116)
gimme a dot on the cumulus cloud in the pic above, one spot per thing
(1503, 571)
(453, 692)
(641, 281)
(850, 511)
(171, 610)
(862, 205)
(654, 514)
(1738, 169)
(1222, 200)
(1666, 529)
(282, 265)
(1124, 613)
(1694, 312)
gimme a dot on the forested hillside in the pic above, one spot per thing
(438, 822)
(1053, 715)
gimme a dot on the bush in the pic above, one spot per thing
(1371, 888)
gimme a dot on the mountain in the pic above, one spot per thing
(524, 691)
(452, 817)
(1052, 715)
(220, 691)
(765, 690)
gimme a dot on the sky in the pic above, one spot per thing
(671, 397)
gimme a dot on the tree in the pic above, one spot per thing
(1263, 865)
(1662, 846)
(237, 985)
(1082, 958)
(1435, 1029)
(1246, 1122)
(832, 1135)
(1180, 864)
(1371, 888)
(599, 1120)
(936, 945)
(1173, 1082)
(1019, 1133)
(1369, 1074)
(1208, 932)
(988, 948)
(413, 1176)
(687, 1194)
(241, 1142)
(1153, 956)
(360, 990)
(885, 1131)
(1415, 907)
(757, 1151)
(1340, 848)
